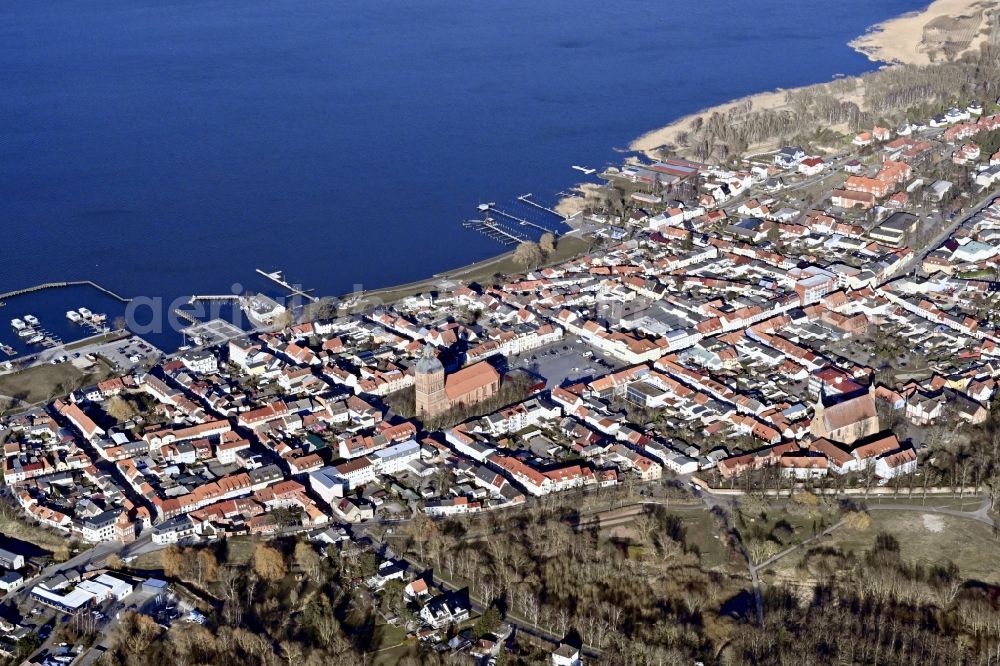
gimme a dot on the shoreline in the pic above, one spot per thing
(896, 41)
(669, 134)
(924, 36)
(568, 246)
(892, 42)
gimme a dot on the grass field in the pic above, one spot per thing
(804, 520)
(239, 550)
(42, 382)
(703, 534)
(149, 561)
(393, 645)
(13, 525)
(700, 531)
(923, 537)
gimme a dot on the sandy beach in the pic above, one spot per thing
(570, 206)
(919, 37)
(653, 139)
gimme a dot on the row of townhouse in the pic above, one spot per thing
(883, 454)
(513, 342)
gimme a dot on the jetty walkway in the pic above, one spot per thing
(57, 285)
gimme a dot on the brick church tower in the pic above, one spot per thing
(428, 378)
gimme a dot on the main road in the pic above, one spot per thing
(84, 560)
(947, 231)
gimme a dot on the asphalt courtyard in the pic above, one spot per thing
(565, 362)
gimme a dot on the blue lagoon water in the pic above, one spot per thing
(170, 147)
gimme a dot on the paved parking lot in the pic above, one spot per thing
(126, 354)
(123, 355)
(567, 359)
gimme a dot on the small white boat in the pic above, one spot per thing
(85, 313)
(585, 170)
(73, 316)
(99, 318)
(38, 337)
(25, 332)
(18, 324)
(31, 319)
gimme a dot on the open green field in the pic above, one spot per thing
(148, 561)
(14, 525)
(923, 537)
(239, 550)
(42, 382)
(701, 531)
(392, 645)
(768, 526)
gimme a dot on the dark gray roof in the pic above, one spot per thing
(428, 363)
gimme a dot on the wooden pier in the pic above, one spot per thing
(526, 198)
(212, 297)
(278, 278)
(520, 220)
(185, 316)
(495, 231)
(57, 285)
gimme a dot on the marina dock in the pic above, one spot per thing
(57, 285)
(496, 231)
(278, 278)
(185, 316)
(526, 198)
(212, 297)
(492, 207)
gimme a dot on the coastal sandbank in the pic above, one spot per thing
(918, 38)
(570, 206)
(670, 134)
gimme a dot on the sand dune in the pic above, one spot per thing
(916, 38)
